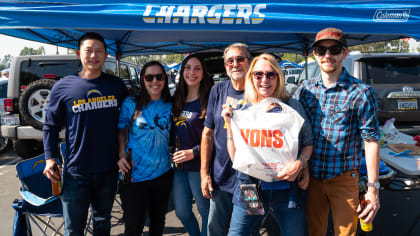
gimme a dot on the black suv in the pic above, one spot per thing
(30, 82)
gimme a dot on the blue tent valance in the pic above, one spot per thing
(183, 26)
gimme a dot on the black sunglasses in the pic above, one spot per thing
(238, 60)
(149, 78)
(259, 75)
(334, 50)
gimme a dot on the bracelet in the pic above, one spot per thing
(304, 157)
(303, 161)
(195, 153)
(229, 138)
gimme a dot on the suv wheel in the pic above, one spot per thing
(34, 101)
(28, 148)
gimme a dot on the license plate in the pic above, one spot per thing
(10, 119)
(407, 104)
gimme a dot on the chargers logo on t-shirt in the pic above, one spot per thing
(94, 101)
(235, 104)
(182, 118)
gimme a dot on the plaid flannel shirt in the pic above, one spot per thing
(342, 116)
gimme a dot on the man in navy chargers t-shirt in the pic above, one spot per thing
(87, 104)
(217, 176)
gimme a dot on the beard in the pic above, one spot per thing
(328, 68)
(237, 75)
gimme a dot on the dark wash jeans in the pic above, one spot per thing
(151, 196)
(83, 190)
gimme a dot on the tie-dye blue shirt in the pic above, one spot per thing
(148, 138)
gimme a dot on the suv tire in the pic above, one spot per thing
(28, 148)
(33, 102)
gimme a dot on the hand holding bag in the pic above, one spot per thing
(266, 142)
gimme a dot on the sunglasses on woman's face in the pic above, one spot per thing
(149, 77)
(334, 50)
(260, 74)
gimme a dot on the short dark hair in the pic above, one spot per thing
(90, 35)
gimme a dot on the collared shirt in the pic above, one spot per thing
(342, 116)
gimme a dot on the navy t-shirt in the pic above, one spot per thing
(188, 127)
(221, 166)
(89, 111)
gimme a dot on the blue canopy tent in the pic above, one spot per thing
(137, 27)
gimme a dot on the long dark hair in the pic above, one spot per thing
(181, 92)
(143, 97)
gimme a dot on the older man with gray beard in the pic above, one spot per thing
(217, 176)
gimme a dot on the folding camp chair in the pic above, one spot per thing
(38, 206)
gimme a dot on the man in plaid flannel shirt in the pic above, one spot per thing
(342, 110)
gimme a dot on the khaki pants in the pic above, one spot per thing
(341, 194)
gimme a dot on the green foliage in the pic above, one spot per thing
(164, 59)
(5, 62)
(292, 57)
(384, 46)
(31, 51)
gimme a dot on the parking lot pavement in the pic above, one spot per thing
(399, 213)
(9, 190)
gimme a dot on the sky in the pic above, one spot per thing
(13, 46)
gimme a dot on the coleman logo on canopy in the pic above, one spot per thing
(203, 14)
(391, 15)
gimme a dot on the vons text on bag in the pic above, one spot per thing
(262, 137)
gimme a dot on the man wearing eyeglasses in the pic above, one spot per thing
(342, 110)
(217, 175)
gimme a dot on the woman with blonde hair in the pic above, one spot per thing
(265, 80)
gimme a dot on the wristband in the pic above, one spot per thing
(229, 138)
(304, 157)
(195, 153)
(303, 161)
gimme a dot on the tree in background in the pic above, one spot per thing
(31, 51)
(5, 62)
(380, 47)
(291, 57)
(164, 59)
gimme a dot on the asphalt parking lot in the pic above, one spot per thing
(399, 213)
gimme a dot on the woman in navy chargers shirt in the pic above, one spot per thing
(189, 110)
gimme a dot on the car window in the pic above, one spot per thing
(110, 68)
(312, 70)
(393, 71)
(133, 74)
(31, 70)
(125, 74)
(3, 89)
(293, 71)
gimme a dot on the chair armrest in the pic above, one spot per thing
(34, 199)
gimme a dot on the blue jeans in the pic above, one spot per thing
(83, 190)
(187, 184)
(291, 220)
(221, 207)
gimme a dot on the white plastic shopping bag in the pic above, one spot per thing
(266, 142)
